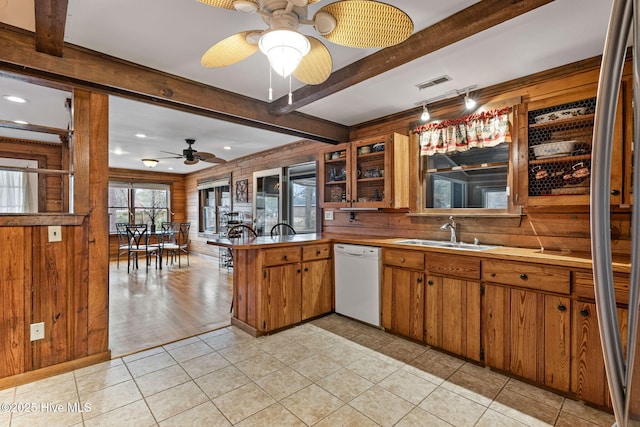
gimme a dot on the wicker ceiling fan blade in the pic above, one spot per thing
(223, 4)
(213, 159)
(233, 49)
(316, 66)
(367, 24)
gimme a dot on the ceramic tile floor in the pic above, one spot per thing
(330, 372)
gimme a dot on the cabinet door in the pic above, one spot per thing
(281, 296)
(334, 172)
(452, 315)
(495, 326)
(317, 288)
(588, 377)
(527, 333)
(403, 302)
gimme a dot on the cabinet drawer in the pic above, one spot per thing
(278, 256)
(583, 286)
(311, 252)
(452, 265)
(534, 276)
(403, 258)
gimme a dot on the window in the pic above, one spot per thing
(302, 187)
(477, 178)
(138, 203)
(215, 202)
(18, 190)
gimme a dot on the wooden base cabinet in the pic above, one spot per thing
(403, 293)
(317, 281)
(527, 333)
(281, 286)
(452, 315)
(588, 377)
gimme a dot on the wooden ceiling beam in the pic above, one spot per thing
(51, 18)
(84, 68)
(472, 20)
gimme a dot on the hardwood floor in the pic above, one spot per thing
(151, 308)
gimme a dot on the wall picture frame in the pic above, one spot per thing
(241, 190)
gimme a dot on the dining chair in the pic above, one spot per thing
(282, 229)
(138, 243)
(123, 242)
(168, 240)
(183, 241)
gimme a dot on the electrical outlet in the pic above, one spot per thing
(55, 233)
(37, 331)
(328, 215)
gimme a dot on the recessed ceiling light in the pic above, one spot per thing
(14, 98)
(226, 147)
(118, 151)
(141, 135)
(21, 122)
(170, 169)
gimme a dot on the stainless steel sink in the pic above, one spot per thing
(443, 244)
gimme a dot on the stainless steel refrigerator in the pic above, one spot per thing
(622, 367)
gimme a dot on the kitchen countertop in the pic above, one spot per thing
(548, 257)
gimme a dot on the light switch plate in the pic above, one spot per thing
(55, 233)
(328, 215)
(37, 331)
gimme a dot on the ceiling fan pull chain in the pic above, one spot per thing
(290, 95)
(270, 85)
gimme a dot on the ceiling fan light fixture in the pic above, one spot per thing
(245, 6)
(150, 163)
(285, 49)
(324, 22)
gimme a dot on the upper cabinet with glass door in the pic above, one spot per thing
(555, 151)
(367, 173)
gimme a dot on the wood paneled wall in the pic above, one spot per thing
(52, 195)
(62, 284)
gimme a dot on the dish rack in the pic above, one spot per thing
(559, 140)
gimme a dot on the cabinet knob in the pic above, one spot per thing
(493, 274)
(284, 257)
(402, 259)
(430, 283)
(562, 307)
(419, 280)
(298, 270)
(523, 276)
(306, 269)
(318, 251)
(615, 192)
(584, 312)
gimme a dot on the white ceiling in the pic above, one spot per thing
(172, 35)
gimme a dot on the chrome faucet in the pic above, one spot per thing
(452, 227)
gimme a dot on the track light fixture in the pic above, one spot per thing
(469, 102)
(425, 116)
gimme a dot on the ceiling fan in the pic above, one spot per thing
(191, 156)
(353, 23)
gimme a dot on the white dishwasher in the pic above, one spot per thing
(358, 270)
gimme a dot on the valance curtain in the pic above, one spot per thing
(486, 129)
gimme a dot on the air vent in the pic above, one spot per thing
(433, 82)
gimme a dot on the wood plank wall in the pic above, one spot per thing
(62, 284)
(49, 155)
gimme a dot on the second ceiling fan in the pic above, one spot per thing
(353, 23)
(191, 156)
